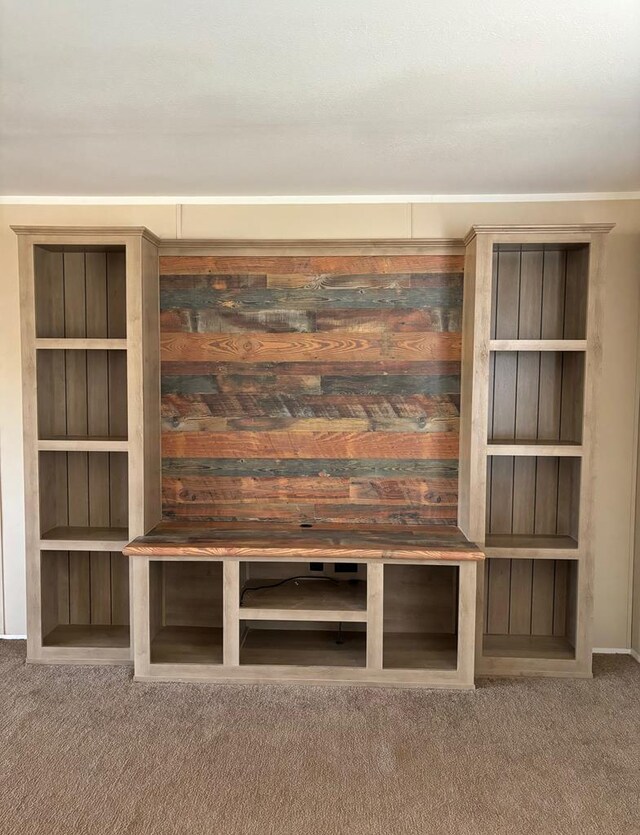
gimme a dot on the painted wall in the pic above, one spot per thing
(616, 454)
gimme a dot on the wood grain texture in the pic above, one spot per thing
(308, 265)
(311, 388)
(222, 540)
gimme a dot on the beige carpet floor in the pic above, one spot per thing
(87, 750)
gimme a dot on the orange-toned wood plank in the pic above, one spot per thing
(205, 489)
(309, 265)
(312, 347)
(281, 540)
(310, 445)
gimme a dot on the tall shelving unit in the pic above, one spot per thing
(89, 301)
(531, 355)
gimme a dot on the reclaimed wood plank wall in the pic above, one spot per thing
(311, 388)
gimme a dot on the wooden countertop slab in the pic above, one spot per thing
(322, 541)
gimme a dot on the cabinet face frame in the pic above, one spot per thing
(477, 346)
(143, 440)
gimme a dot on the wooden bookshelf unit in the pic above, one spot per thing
(306, 450)
(91, 432)
(532, 325)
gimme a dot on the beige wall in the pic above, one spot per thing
(618, 421)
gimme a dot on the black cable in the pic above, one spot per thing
(288, 580)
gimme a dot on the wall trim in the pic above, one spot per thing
(309, 199)
(635, 655)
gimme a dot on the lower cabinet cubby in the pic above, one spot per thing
(84, 495)
(530, 608)
(420, 617)
(85, 599)
(186, 612)
(304, 644)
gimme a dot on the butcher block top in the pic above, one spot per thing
(319, 541)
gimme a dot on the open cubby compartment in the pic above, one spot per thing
(303, 644)
(536, 396)
(530, 608)
(321, 587)
(532, 502)
(540, 291)
(80, 292)
(84, 495)
(420, 617)
(186, 611)
(84, 599)
(82, 394)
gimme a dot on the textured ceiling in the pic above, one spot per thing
(294, 97)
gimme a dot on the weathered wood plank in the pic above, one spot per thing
(335, 514)
(391, 384)
(368, 407)
(437, 319)
(292, 467)
(366, 281)
(216, 320)
(199, 423)
(207, 490)
(425, 368)
(300, 347)
(310, 444)
(175, 296)
(308, 265)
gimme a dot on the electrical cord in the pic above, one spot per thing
(287, 580)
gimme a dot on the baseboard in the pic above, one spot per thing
(635, 655)
(612, 651)
(13, 637)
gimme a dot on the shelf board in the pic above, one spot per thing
(539, 449)
(312, 599)
(303, 648)
(527, 646)
(81, 344)
(87, 635)
(517, 544)
(84, 539)
(78, 443)
(420, 651)
(531, 546)
(187, 645)
(537, 344)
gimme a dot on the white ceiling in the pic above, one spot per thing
(301, 97)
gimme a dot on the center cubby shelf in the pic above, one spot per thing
(532, 502)
(84, 496)
(82, 399)
(310, 644)
(80, 293)
(535, 399)
(286, 591)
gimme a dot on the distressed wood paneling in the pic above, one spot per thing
(311, 388)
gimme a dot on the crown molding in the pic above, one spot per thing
(87, 232)
(314, 246)
(555, 229)
(310, 199)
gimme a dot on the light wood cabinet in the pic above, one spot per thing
(91, 432)
(531, 358)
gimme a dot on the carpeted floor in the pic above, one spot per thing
(86, 750)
